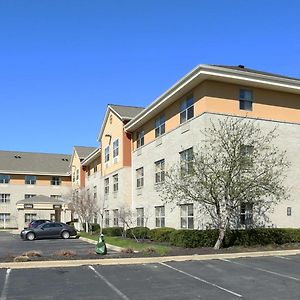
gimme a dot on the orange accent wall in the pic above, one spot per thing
(126, 149)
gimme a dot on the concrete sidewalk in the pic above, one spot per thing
(140, 260)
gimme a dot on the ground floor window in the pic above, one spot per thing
(187, 216)
(140, 217)
(30, 217)
(160, 216)
(4, 217)
(106, 218)
(246, 214)
(116, 217)
(52, 217)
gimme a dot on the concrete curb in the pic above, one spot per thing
(140, 260)
(109, 247)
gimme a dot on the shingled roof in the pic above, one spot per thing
(126, 112)
(83, 151)
(17, 162)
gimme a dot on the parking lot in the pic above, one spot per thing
(13, 245)
(243, 278)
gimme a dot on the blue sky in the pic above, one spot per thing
(63, 61)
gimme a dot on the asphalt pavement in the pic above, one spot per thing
(276, 278)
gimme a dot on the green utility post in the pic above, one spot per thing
(101, 247)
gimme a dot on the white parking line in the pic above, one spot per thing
(262, 270)
(5, 286)
(203, 280)
(109, 284)
(283, 257)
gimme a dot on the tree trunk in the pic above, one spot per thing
(220, 239)
(86, 226)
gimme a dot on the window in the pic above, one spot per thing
(77, 174)
(160, 216)
(187, 109)
(52, 217)
(27, 196)
(55, 180)
(116, 182)
(160, 171)
(106, 218)
(186, 161)
(160, 127)
(95, 218)
(4, 217)
(55, 196)
(140, 177)
(289, 211)
(116, 148)
(106, 186)
(187, 216)
(88, 171)
(106, 153)
(95, 192)
(246, 152)
(140, 217)
(246, 214)
(4, 178)
(116, 217)
(140, 139)
(30, 179)
(4, 198)
(88, 195)
(73, 179)
(30, 217)
(246, 99)
(95, 168)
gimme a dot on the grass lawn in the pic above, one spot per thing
(129, 243)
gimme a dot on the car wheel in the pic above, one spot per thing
(65, 234)
(30, 236)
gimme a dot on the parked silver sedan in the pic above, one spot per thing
(48, 230)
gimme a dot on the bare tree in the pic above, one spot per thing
(235, 165)
(84, 206)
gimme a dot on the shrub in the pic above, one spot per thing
(127, 251)
(21, 258)
(138, 232)
(95, 228)
(113, 231)
(161, 234)
(32, 253)
(65, 253)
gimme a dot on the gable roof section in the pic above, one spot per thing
(123, 112)
(41, 199)
(229, 74)
(17, 162)
(94, 155)
(83, 151)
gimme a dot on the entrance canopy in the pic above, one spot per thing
(42, 202)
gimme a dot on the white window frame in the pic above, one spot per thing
(160, 126)
(4, 198)
(106, 186)
(116, 183)
(4, 217)
(187, 216)
(28, 196)
(116, 217)
(140, 178)
(30, 179)
(106, 218)
(95, 192)
(246, 99)
(160, 216)
(246, 214)
(4, 178)
(56, 180)
(140, 217)
(28, 217)
(186, 161)
(187, 109)
(140, 140)
(160, 171)
(116, 147)
(106, 154)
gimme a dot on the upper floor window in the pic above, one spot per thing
(4, 198)
(160, 171)
(160, 127)
(140, 139)
(187, 109)
(77, 174)
(27, 196)
(55, 180)
(187, 216)
(116, 182)
(4, 217)
(55, 196)
(4, 178)
(246, 99)
(30, 179)
(95, 192)
(106, 153)
(116, 148)
(106, 185)
(186, 161)
(140, 177)
(73, 179)
(95, 168)
(106, 218)
(88, 171)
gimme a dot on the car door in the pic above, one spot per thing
(42, 231)
(57, 229)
